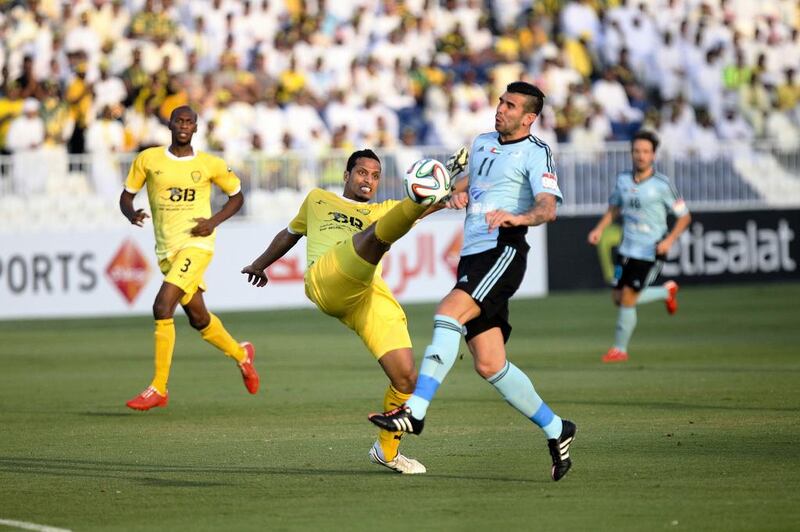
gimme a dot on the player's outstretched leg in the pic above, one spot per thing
(243, 353)
(400, 463)
(398, 221)
(559, 450)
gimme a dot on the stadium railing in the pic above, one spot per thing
(51, 188)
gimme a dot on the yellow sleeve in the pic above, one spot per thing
(136, 175)
(224, 178)
(299, 224)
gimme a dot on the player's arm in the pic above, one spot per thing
(206, 226)
(256, 271)
(543, 211)
(681, 223)
(610, 215)
(135, 216)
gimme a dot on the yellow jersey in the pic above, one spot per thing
(179, 190)
(327, 219)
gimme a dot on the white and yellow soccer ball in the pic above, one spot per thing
(427, 182)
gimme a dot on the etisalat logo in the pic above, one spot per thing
(128, 271)
(752, 250)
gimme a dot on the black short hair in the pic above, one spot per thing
(369, 154)
(535, 100)
(644, 134)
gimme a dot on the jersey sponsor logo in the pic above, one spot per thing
(550, 181)
(196, 175)
(128, 271)
(182, 194)
(340, 217)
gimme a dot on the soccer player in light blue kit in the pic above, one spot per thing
(643, 198)
(512, 186)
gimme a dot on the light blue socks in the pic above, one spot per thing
(439, 358)
(518, 390)
(626, 323)
(652, 293)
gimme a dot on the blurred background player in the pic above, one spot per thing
(178, 183)
(500, 208)
(643, 198)
(347, 238)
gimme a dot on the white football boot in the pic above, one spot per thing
(400, 464)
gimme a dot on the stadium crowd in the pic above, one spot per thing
(269, 76)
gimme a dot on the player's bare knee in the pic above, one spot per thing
(198, 321)
(405, 383)
(162, 310)
(487, 368)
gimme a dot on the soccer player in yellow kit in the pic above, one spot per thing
(178, 181)
(347, 237)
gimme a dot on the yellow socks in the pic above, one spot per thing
(398, 221)
(390, 441)
(216, 335)
(164, 345)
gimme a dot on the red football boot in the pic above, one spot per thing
(149, 398)
(672, 301)
(248, 369)
(615, 355)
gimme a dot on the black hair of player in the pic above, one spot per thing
(356, 155)
(644, 134)
(535, 101)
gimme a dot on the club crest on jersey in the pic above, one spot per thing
(365, 212)
(196, 175)
(493, 149)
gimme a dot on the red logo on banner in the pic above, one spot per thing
(453, 251)
(128, 271)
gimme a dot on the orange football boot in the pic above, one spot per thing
(149, 398)
(672, 301)
(615, 355)
(248, 369)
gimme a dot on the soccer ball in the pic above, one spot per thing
(427, 182)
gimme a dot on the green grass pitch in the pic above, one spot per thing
(699, 431)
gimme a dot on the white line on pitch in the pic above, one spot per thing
(32, 526)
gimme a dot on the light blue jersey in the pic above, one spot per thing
(644, 207)
(508, 177)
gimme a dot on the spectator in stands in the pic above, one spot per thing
(29, 85)
(105, 139)
(25, 139)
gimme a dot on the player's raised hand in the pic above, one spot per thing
(500, 218)
(255, 276)
(204, 227)
(138, 217)
(459, 200)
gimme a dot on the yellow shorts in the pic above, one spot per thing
(185, 270)
(344, 285)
